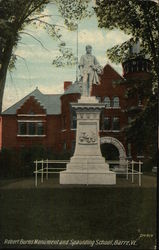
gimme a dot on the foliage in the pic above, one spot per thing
(66, 58)
(139, 20)
(74, 11)
(16, 15)
(20, 162)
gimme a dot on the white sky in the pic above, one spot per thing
(37, 69)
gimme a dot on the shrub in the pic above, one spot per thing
(16, 163)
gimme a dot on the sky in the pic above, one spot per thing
(34, 67)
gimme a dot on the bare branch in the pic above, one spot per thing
(49, 24)
(23, 32)
(37, 18)
(35, 8)
(25, 64)
(13, 83)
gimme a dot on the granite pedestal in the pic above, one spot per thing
(87, 166)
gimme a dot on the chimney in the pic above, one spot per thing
(67, 84)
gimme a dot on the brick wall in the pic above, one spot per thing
(59, 133)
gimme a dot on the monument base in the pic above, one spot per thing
(88, 178)
(88, 166)
(88, 170)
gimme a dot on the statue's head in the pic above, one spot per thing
(88, 49)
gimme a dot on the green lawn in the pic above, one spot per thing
(79, 213)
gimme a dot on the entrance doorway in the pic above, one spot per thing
(109, 152)
(121, 154)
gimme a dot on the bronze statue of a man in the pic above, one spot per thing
(89, 70)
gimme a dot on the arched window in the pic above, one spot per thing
(116, 102)
(107, 101)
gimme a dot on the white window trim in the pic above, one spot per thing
(32, 121)
(116, 107)
(31, 115)
(31, 135)
(112, 107)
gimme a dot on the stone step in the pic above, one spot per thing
(88, 160)
(97, 178)
(87, 167)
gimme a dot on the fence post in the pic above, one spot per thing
(42, 174)
(87, 171)
(36, 170)
(140, 173)
(127, 170)
(47, 169)
(132, 172)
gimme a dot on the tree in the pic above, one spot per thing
(140, 20)
(15, 15)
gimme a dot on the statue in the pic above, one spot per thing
(89, 70)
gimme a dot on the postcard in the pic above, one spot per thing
(78, 124)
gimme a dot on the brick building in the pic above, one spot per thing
(48, 120)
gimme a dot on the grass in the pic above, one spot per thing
(79, 213)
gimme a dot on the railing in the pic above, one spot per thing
(131, 171)
(129, 168)
(45, 169)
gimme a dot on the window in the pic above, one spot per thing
(116, 123)
(40, 128)
(74, 120)
(106, 123)
(22, 128)
(107, 101)
(31, 128)
(116, 102)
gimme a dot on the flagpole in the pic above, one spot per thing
(77, 54)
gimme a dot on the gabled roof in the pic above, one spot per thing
(51, 103)
(110, 71)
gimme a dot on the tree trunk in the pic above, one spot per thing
(3, 71)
